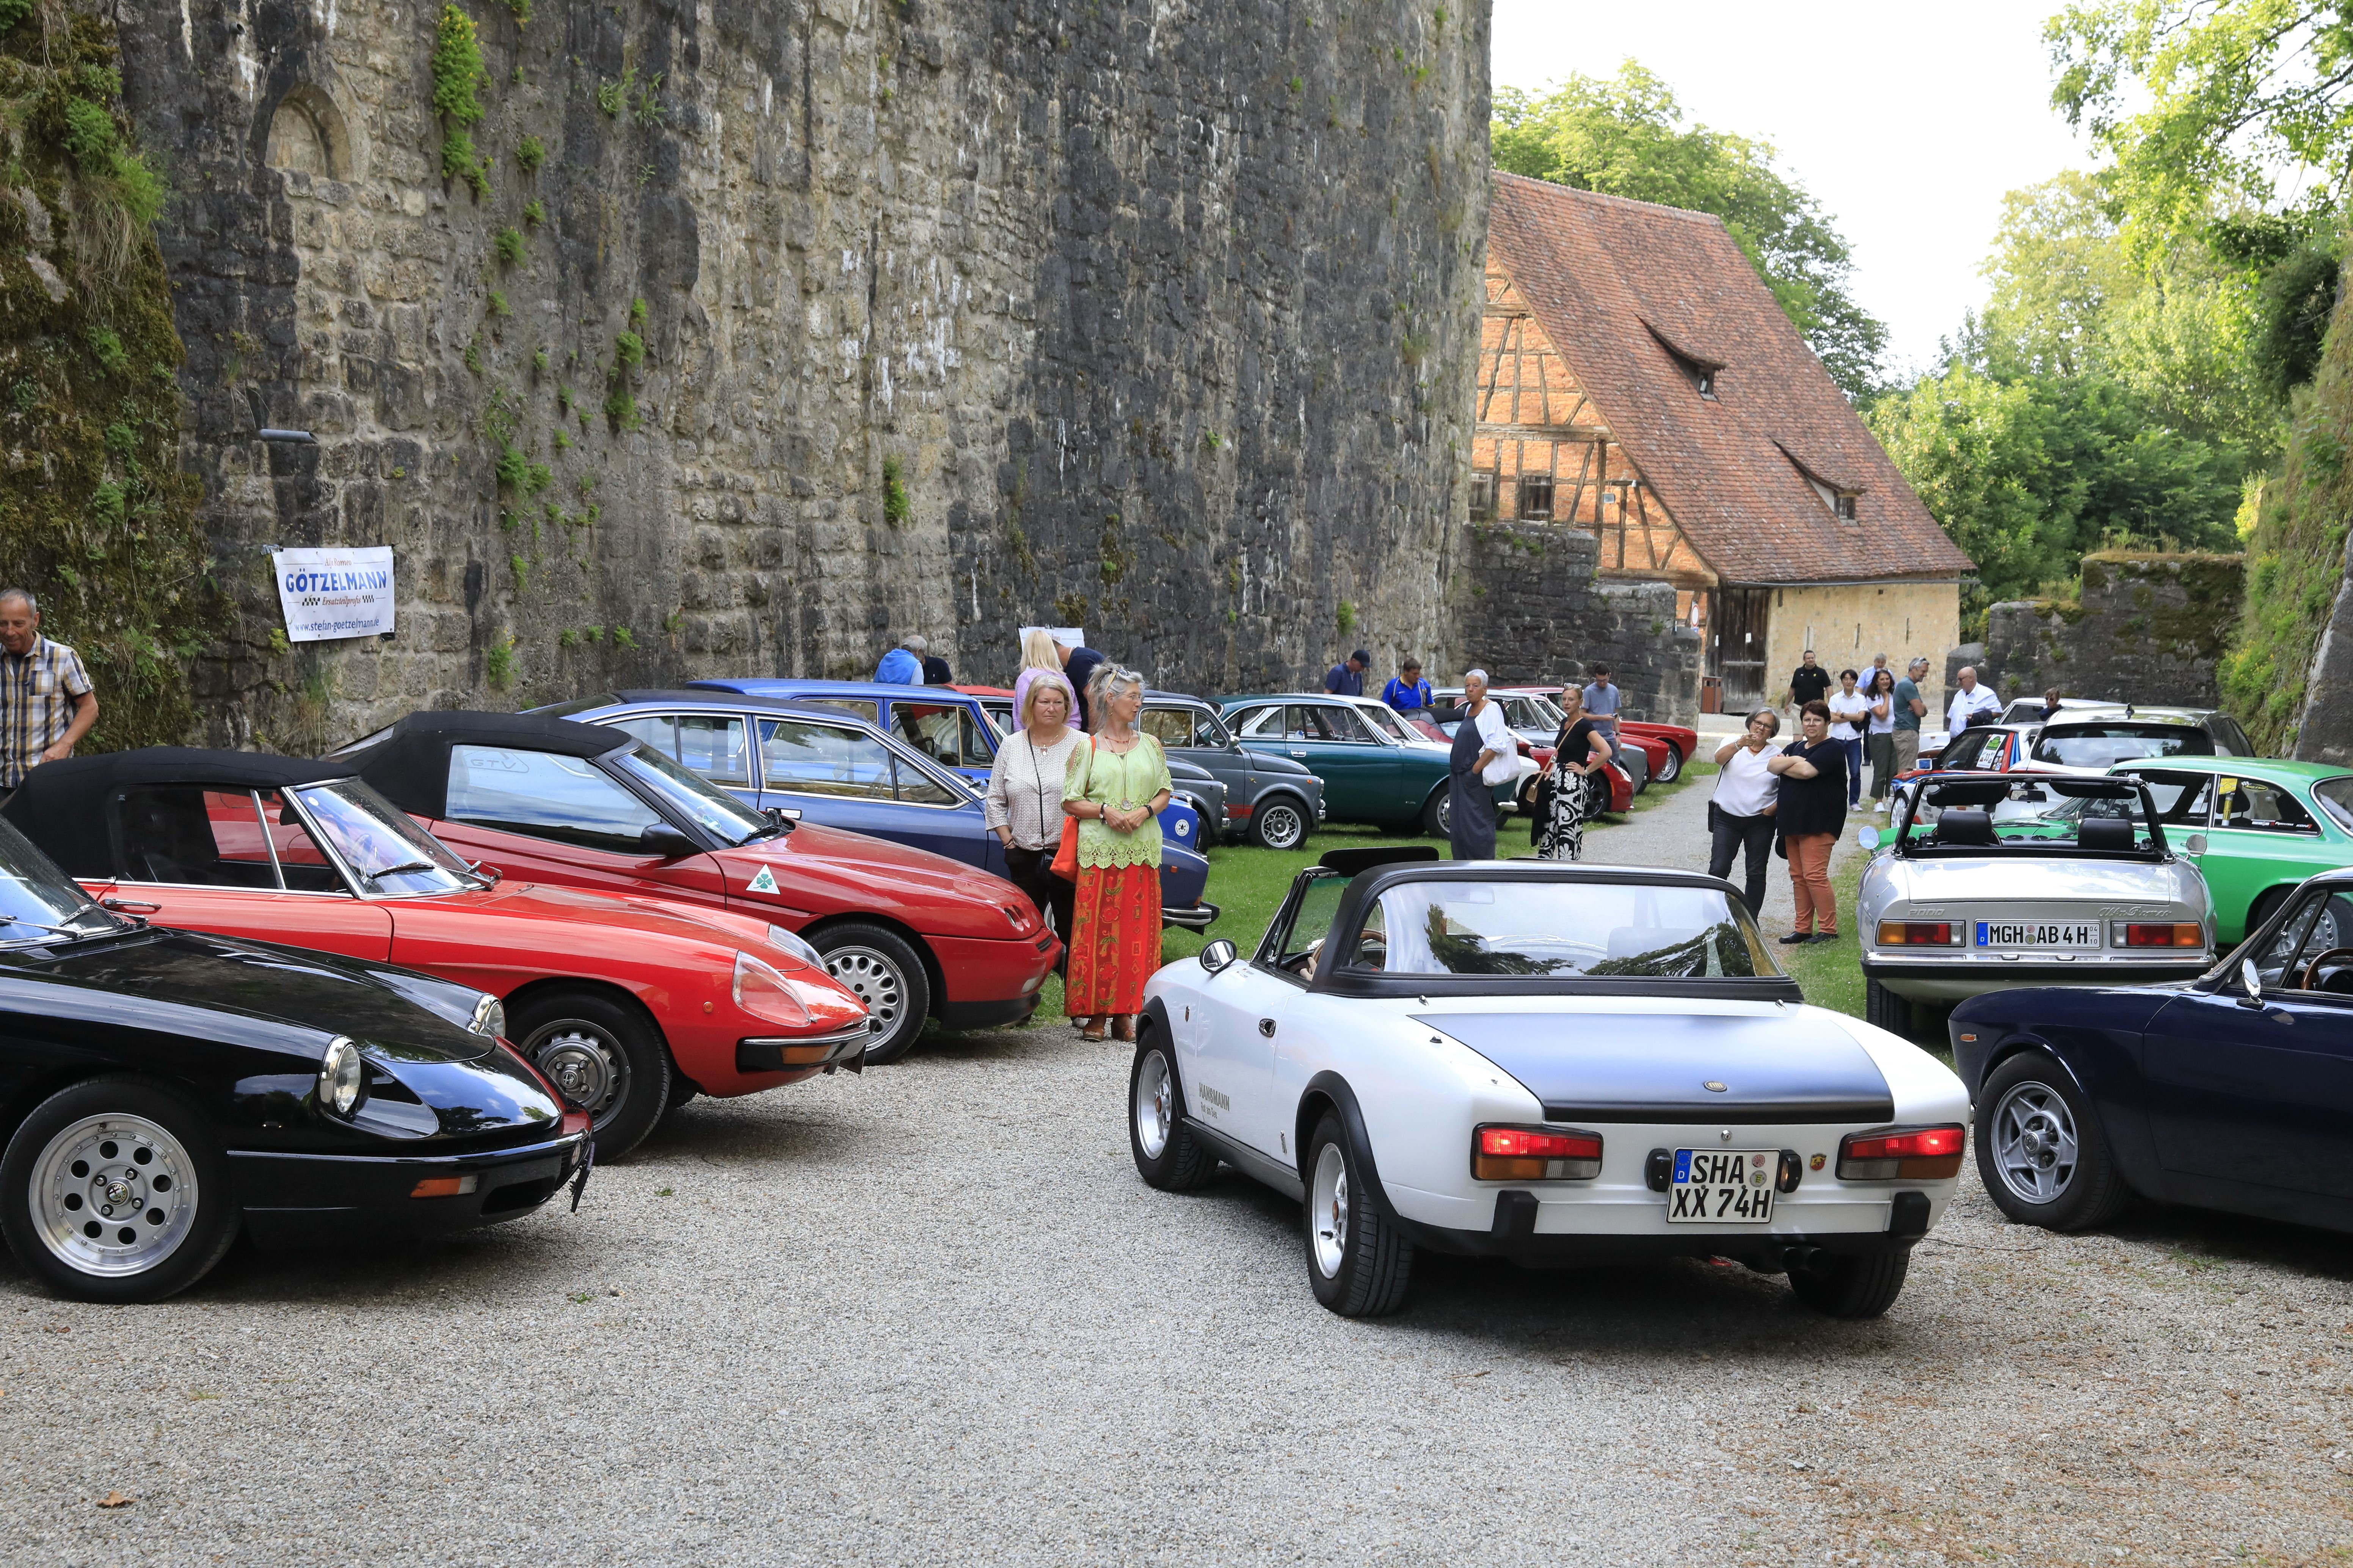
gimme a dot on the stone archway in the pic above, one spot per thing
(310, 134)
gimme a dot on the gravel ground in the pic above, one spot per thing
(931, 1315)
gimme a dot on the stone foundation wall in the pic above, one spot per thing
(1533, 608)
(821, 321)
(2148, 630)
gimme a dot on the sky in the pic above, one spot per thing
(1907, 120)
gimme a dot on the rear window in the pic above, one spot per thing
(1560, 929)
(2007, 815)
(2336, 798)
(2101, 745)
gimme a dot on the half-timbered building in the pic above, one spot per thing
(1641, 382)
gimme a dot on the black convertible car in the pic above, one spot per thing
(2231, 1091)
(160, 1090)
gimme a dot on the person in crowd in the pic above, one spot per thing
(1482, 745)
(1810, 682)
(46, 701)
(1570, 796)
(1878, 663)
(1039, 657)
(1849, 715)
(1740, 813)
(1078, 665)
(1971, 704)
(1879, 740)
(903, 665)
(1809, 808)
(2050, 704)
(1602, 702)
(935, 668)
(1347, 678)
(1407, 691)
(1024, 803)
(1910, 708)
(1116, 785)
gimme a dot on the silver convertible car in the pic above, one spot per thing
(1987, 881)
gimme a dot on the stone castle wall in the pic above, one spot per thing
(2150, 628)
(956, 315)
(1532, 609)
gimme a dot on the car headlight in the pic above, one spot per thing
(490, 1017)
(760, 991)
(341, 1076)
(779, 937)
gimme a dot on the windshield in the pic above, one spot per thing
(1560, 930)
(34, 894)
(1553, 713)
(2098, 745)
(2042, 817)
(705, 804)
(1378, 715)
(379, 842)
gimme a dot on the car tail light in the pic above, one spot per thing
(444, 1187)
(760, 991)
(1902, 1153)
(2135, 934)
(1923, 933)
(1534, 1154)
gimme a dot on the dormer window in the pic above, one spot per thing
(1840, 502)
(1701, 372)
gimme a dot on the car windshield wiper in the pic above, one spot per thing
(396, 870)
(43, 925)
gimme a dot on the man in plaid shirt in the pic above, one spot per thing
(46, 700)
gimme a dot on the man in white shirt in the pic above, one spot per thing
(1971, 704)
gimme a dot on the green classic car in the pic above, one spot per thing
(2267, 825)
(1375, 767)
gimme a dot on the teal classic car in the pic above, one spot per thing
(2261, 825)
(1375, 767)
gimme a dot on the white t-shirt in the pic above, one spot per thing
(1746, 786)
(1977, 703)
(1496, 736)
(1880, 726)
(1849, 711)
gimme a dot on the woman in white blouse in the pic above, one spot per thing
(1025, 794)
(1740, 815)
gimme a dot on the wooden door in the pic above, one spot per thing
(1735, 646)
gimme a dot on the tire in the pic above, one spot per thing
(1279, 823)
(1673, 767)
(1167, 1155)
(888, 976)
(1438, 812)
(605, 1057)
(1862, 1287)
(1358, 1263)
(103, 1151)
(2041, 1153)
(1887, 1010)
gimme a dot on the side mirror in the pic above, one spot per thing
(489, 874)
(2194, 845)
(1867, 835)
(2253, 982)
(1216, 955)
(784, 816)
(661, 839)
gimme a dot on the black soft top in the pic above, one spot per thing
(409, 763)
(62, 807)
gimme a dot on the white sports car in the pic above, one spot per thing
(1990, 880)
(1544, 1061)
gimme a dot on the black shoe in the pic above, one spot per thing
(1823, 936)
(1794, 937)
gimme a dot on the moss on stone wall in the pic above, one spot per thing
(2295, 556)
(95, 515)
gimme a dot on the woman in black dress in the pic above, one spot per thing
(1577, 794)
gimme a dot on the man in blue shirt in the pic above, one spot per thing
(1601, 702)
(1408, 692)
(1348, 679)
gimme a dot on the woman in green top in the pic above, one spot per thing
(1116, 787)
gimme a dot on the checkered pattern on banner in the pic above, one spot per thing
(37, 704)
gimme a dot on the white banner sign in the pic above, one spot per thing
(1068, 637)
(329, 594)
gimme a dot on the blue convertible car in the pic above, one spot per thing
(835, 768)
(2232, 1091)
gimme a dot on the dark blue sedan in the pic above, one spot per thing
(2232, 1091)
(836, 768)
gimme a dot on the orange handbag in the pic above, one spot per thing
(1066, 853)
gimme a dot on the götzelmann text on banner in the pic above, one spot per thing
(329, 594)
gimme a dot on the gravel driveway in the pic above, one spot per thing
(931, 1315)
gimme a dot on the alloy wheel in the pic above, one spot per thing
(875, 981)
(115, 1195)
(2034, 1143)
(1280, 826)
(1327, 1210)
(1155, 1107)
(587, 1068)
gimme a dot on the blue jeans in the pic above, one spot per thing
(1854, 749)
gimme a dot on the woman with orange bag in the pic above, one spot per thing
(1114, 790)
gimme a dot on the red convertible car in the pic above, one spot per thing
(916, 935)
(630, 1006)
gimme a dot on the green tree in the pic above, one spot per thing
(2029, 474)
(1626, 136)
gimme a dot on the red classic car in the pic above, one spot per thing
(916, 935)
(628, 1005)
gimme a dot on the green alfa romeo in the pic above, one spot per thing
(2265, 823)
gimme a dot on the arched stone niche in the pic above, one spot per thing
(315, 129)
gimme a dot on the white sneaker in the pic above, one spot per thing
(1879, 806)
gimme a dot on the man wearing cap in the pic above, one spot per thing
(47, 702)
(1348, 679)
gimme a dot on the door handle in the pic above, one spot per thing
(131, 907)
(1266, 1027)
(1297, 753)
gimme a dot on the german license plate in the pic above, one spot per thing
(1723, 1186)
(2038, 933)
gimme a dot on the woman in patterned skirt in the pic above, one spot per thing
(1116, 787)
(1578, 793)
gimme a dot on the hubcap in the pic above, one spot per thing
(1281, 828)
(1327, 1211)
(1446, 813)
(2034, 1143)
(875, 981)
(590, 1071)
(1154, 1107)
(113, 1195)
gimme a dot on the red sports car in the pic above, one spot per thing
(916, 935)
(629, 1006)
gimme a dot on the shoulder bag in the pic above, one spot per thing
(1066, 853)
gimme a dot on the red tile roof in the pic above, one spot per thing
(1621, 287)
